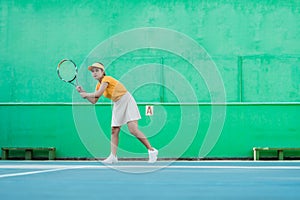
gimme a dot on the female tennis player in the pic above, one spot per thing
(125, 110)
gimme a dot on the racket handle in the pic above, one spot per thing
(79, 89)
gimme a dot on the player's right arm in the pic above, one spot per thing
(92, 97)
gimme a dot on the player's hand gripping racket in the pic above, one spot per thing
(67, 71)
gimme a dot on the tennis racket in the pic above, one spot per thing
(67, 71)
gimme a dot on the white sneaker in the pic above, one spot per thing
(111, 159)
(152, 155)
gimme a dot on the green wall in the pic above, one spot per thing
(245, 126)
(223, 76)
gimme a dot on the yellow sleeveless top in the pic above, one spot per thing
(114, 91)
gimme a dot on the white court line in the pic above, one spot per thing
(64, 167)
(32, 172)
(160, 161)
(26, 166)
(188, 167)
(52, 168)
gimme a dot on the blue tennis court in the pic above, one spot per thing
(162, 180)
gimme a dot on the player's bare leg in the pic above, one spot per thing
(134, 130)
(112, 158)
(114, 139)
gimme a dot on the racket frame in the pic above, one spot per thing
(75, 76)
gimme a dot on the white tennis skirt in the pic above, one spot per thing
(124, 111)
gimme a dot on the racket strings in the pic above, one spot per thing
(67, 71)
